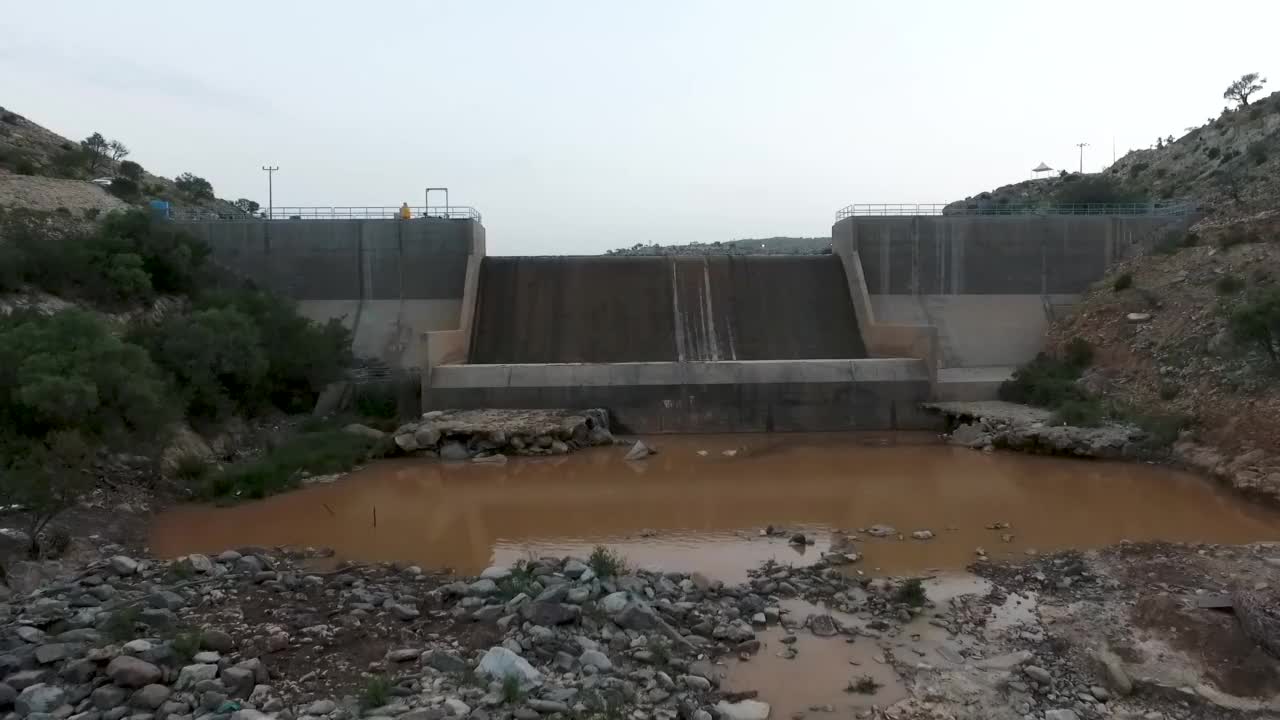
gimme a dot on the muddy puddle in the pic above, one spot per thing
(701, 503)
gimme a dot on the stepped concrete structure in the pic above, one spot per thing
(905, 310)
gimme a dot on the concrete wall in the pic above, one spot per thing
(389, 281)
(724, 396)
(988, 286)
(990, 254)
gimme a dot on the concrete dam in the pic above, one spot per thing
(663, 309)
(906, 309)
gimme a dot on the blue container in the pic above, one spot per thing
(160, 209)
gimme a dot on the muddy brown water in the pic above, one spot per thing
(699, 505)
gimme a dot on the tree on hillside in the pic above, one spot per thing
(248, 206)
(117, 150)
(1258, 322)
(195, 186)
(1241, 89)
(131, 170)
(95, 149)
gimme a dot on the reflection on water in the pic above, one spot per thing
(696, 507)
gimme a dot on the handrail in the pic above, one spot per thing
(1163, 208)
(353, 212)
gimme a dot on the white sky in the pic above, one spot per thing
(575, 127)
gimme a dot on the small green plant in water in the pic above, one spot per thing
(606, 563)
(910, 592)
(863, 685)
(511, 692)
(377, 692)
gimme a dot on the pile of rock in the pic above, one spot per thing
(490, 435)
(988, 425)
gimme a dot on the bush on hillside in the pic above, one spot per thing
(1123, 282)
(1095, 189)
(215, 357)
(68, 387)
(125, 189)
(130, 170)
(1257, 322)
(1049, 381)
(195, 186)
(302, 356)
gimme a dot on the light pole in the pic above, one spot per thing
(271, 172)
(1082, 146)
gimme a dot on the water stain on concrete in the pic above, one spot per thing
(699, 505)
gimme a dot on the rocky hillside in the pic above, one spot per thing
(745, 246)
(1161, 326)
(42, 170)
(1230, 167)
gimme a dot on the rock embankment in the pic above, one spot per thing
(491, 435)
(995, 424)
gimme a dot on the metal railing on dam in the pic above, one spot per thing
(335, 212)
(1159, 209)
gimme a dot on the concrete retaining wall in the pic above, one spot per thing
(726, 396)
(991, 254)
(389, 281)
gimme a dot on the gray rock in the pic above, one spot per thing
(404, 612)
(123, 565)
(52, 653)
(549, 614)
(131, 672)
(1038, 674)
(743, 710)
(547, 706)
(483, 587)
(228, 556)
(322, 707)
(638, 451)
(453, 451)
(200, 563)
(26, 678)
(207, 657)
(457, 708)
(150, 697)
(79, 671)
(432, 713)
(166, 599)
(1114, 674)
(108, 696)
(30, 634)
(637, 616)
(39, 698)
(822, 625)
(922, 535)
(693, 682)
(161, 619)
(596, 659)
(499, 663)
(445, 662)
(574, 568)
(7, 695)
(1060, 715)
(115, 713)
(578, 595)
(239, 681)
(496, 573)
(881, 531)
(212, 700)
(247, 714)
(249, 564)
(217, 641)
(190, 675)
(403, 655)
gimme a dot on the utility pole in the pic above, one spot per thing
(271, 172)
(1082, 146)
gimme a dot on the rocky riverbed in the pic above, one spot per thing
(997, 424)
(1125, 632)
(491, 435)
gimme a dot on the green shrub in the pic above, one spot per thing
(24, 166)
(121, 625)
(607, 563)
(1169, 391)
(195, 186)
(376, 401)
(190, 468)
(1228, 285)
(280, 468)
(1257, 322)
(1047, 381)
(910, 592)
(1256, 152)
(130, 170)
(1190, 240)
(302, 356)
(511, 692)
(1079, 413)
(1236, 235)
(125, 189)
(125, 278)
(1094, 189)
(186, 644)
(1078, 353)
(1137, 168)
(1123, 282)
(377, 692)
(216, 357)
(1213, 152)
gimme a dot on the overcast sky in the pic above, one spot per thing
(575, 127)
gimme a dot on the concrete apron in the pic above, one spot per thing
(699, 397)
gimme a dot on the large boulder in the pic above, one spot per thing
(743, 710)
(500, 663)
(39, 698)
(127, 671)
